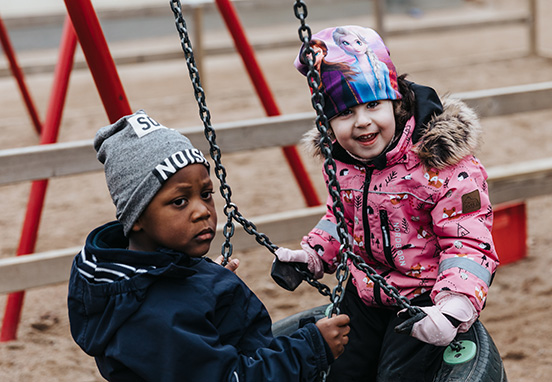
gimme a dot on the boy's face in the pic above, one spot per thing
(181, 216)
(365, 130)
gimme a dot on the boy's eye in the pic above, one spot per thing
(179, 202)
(207, 194)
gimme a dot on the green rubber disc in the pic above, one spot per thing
(328, 310)
(467, 351)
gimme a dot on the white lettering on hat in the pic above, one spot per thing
(143, 124)
(177, 161)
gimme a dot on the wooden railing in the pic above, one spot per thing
(506, 182)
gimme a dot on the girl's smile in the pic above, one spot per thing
(367, 139)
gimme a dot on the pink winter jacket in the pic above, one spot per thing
(424, 220)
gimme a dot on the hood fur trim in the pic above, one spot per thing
(444, 141)
(450, 136)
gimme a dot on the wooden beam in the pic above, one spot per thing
(509, 100)
(457, 23)
(506, 183)
(60, 159)
(35, 270)
(41, 269)
(40, 162)
(520, 180)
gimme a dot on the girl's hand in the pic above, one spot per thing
(452, 313)
(335, 331)
(233, 264)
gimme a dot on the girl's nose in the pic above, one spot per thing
(362, 118)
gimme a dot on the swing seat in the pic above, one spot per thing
(485, 366)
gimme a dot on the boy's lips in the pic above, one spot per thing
(206, 234)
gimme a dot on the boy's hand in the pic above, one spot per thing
(335, 331)
(232, 264)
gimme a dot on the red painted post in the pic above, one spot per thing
(18, 75)
(245, 50)
(37, 195)
(98, 57)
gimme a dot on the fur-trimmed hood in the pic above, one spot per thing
(444, 140)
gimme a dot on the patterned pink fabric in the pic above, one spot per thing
(421, 228)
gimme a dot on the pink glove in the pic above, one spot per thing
(305, 255)
(436, 328)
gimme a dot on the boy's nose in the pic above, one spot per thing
(201, 211)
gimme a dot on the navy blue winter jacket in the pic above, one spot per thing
(163, 316)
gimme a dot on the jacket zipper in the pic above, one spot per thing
(386, 238)
(366, 225)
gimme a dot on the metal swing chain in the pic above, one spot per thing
(230, 209)
(321, 121)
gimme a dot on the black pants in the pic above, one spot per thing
(376, 353)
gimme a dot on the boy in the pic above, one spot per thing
(145, 302)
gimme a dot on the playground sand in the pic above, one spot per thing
(518, 310)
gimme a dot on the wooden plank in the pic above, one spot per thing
(506, 183)
(47, 161)
(521, 180)
(36, 270)
(509, 100)
(279, 227)
(60, 159)
(39, 162)
(457, 23)
(41, 269)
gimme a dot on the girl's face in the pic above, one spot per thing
(352, 45)
(365, 130)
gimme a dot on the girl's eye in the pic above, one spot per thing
(372, 104)
(345, 113)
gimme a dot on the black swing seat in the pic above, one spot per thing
(485, 366)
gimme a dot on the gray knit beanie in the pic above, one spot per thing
(139, 155)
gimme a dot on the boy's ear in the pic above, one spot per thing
(137, 226)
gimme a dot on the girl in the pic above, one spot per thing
(417, 209)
